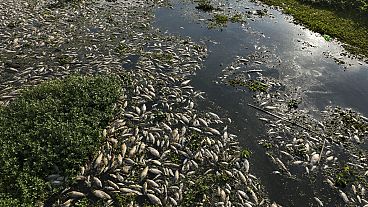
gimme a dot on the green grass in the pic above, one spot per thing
(245, 153)
(252, 85)
(350, 26)
(52, 128)
(237, 18)
(203, 185)
(221, 19)
(205, 5)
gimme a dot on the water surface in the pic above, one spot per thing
(296, 56)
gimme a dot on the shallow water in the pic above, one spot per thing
(290, 52)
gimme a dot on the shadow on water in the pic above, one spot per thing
(304, 61)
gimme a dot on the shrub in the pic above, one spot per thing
(52, 128)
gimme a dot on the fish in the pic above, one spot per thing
(101, 194)
(153, 151)
(97, 182)
(144, 172)
(344, 196)
(154, 199)
(318, 201)
(76, 194)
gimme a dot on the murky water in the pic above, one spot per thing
(296, 55)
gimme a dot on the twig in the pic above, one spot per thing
(283, 119)
(293, 123)
(323, 146)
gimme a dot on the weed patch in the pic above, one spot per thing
(52, 128)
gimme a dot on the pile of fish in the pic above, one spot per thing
(331, 148)
(160, 149)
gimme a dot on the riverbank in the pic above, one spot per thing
(346, 25)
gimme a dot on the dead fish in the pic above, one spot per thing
(133, 151)
(123, 149)
(314, 159)
(112, 184)
(76, 194)
(298, 162)
(318, 201)
(243, 194)
(144, 173)
(153, 151)
(155, 171)
(173, 201)
(126, 190)
(185, 82)
(67, 203)
(152, 183)
(176, 176)
(203, 122)
(242, 177)
(98, 160)
(254, 196)
(97, 182)
(344, 196)
(246, 165)
(154, 199)
(101, 194)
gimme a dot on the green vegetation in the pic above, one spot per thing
(195, 141)
(123, 200)
(205, 5)
(245, 153)
(203, 185)
(327, 37)
(293, 104)
(237, 18)
(344, 177)
(163, 57)
(221, 19)
(64, 59)
(52, 128)
(252, 85)
(346, 20)
(175, 158)
(122, 48)
(159, 116)
(347, 118)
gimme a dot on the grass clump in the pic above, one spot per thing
(52, 128)
(293, 104)
(195, 141)
(221, 19)
(122, 48)
(205, 6)
(237, 18)
(349, 25)
(252, 85)
(245, 153)
(344, 177)
(204, 185)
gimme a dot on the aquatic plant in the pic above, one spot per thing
(344, 177)
(245, 153)
(205, 5)
(293, 104)
(328, 38)
(221, 19)
(253, 85)
(237, 18)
